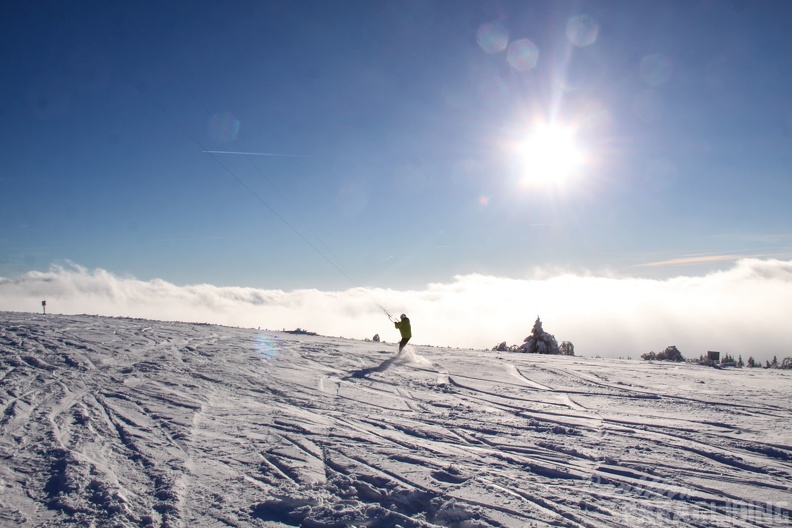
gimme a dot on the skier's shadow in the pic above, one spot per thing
(362, 373)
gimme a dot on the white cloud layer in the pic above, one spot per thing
(744, 310)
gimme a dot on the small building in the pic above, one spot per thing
(713, 356)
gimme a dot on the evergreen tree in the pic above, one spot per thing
(671, 353)
(539, 342)
(728, 361)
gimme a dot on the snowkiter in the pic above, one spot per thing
(404, 328)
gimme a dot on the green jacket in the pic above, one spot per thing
(404, 328)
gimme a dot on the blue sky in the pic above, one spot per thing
(399, 131)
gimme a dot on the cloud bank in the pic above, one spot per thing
(742, 311)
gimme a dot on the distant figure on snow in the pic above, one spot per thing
(404, 328)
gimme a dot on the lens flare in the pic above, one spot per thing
(224, 127)
(523, 55)
(267, 347)
(582, 30)
(492, 37)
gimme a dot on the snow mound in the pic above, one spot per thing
(409, 356)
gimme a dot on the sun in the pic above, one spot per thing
(549, 156)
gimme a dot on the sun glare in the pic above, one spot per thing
(549, 156)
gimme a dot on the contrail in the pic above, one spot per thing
(259, 154)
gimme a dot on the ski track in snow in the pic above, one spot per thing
(124, 422)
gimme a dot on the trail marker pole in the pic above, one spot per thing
(44, 306)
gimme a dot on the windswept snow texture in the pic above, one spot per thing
(121, 422)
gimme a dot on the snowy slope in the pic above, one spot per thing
(121, 422)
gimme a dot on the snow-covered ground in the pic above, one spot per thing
(122, 422)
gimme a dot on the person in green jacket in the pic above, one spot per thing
(404, 328)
